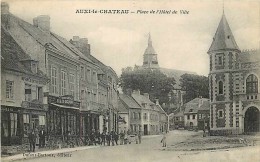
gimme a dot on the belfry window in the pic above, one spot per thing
(251, 84)
(220, 87)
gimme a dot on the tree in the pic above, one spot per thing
(195, 86)
(149, 81)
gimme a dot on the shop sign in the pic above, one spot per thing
(66, 100)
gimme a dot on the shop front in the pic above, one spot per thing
(63, 119)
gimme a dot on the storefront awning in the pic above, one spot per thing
(66, 107)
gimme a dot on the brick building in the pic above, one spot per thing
(234, 85)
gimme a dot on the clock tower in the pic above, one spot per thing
(150, 56)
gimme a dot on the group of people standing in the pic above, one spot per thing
(32, 139)
(110, 138)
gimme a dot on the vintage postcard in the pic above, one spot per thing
(130, 81)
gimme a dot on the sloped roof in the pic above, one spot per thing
(160, 109)
(176, 74)
(205, 105)
(129, 101)
(12, 55)
(249, 56)
(141, 99)
(194, 105)
(43, 38)
(223, 38)
(121, 107)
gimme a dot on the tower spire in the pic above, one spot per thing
(149, 39)
(223, 6)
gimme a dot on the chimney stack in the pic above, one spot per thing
(146, 95)
(137, 92)
(42, 22)
(157, 102)
(81, 44)
(4, 8)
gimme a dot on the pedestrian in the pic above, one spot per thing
(140, 136)
(164, 140)
(32, 140)
(116, 138)
(108, 136)
(112, 137)
(92, 137)
(136, 138)
(122, 137)
(103, 136)
(97, 137)
(42, 138)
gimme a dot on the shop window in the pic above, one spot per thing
(13, 119)
(9, 89)
(42, 120)
(251, 84)
(26, 123)
(4, 125)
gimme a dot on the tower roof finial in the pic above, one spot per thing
(149, 39)
(223, 6)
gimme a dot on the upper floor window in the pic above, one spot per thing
(251, 84)
(34, 66)
(89, 75)
(219, 59)
(220, 87)
(10, 89)
(54, 80)
(28, 92)
(72, 84)
(82, 72)
(63, 82)
(94, 77)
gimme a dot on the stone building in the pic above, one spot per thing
(81, 93)
(234, 84)
(23, 99)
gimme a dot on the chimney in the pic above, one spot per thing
(4, 8)
(129, 91)
(137, 92)
(81, 44)
(157, 102)
(146, 95)
(42, 22)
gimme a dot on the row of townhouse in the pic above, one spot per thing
(194, 114)
(52, 84)
(140, 114)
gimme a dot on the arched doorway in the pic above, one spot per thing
(251, 120)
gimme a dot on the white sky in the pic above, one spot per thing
(181, 41)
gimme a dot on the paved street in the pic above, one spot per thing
(151, 150)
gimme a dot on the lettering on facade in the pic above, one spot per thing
(66, 100)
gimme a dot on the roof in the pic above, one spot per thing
(180, 113)
(129, 101)
(223, 38)
(121, 107)
(43, 38)
(149, 50)
(12, 55)
(247, 56)
(141, 99)
(205, 105)
(193, 105)
(176, 74)
(160, 109)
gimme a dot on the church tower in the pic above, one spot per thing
(150, 56)
(223, 54)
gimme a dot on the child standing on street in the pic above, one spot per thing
(164, 140)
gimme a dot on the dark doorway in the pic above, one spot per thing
(145, 129)
(251, 121)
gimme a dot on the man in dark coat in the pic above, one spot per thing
(32, 140)
(42, 138)
(108, 138)
(103, 137)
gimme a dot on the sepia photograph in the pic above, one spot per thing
(130, 81)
